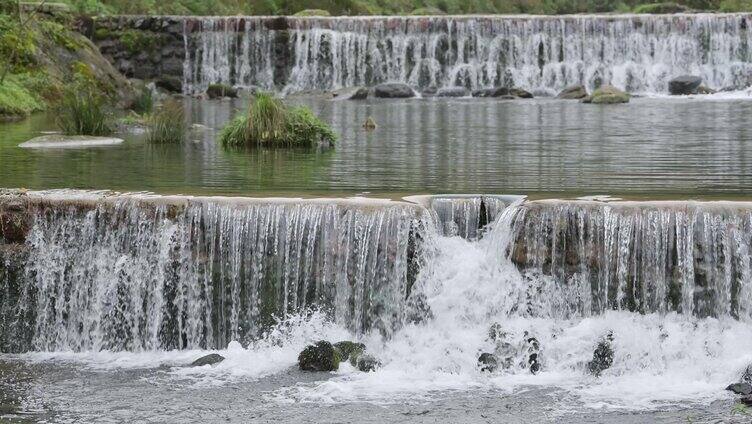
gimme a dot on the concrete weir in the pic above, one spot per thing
(82, 270)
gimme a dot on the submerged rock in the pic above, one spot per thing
(218, 91)
(574, 92)
(487, 362)
(740, 388)
(368, 363)
(393, 91)
(452, 92)
(349, 350)
(522, 94)
(603, 356)
(503, 92)
(211, 359)
(685, 84)
(607, 94)
(319, 357)
(69, 142)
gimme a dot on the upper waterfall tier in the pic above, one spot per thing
(639, 53)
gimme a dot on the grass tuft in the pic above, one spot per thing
(167, 124)
(144, 102)
(82, 111)
(269, 123)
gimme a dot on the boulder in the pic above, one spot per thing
(352, 93)
(487, 362)
(393, 91)
(170, 83)
(218, 91)
(349, 350)
(452, 92)
(370, 124)
(574, 92)
(746, 400)
(607, 94)
(740, 388)
(321, 356)
(603, 356)
(704, 90)
(367, 363)
(210, 359)
(522, 94)
(685, 84)
(533, 350)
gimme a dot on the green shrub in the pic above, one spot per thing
(313, 12)
(83, 111)
(736, 6)
(144, 102)
(167, 124)
(269, 123)
(658, 8)
(17, 99)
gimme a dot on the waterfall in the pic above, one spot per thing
(542, 54)
(128, 273)
(135, 272)
(692, 258)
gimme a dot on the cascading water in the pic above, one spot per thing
(129, 274)
(140, 274)
(639, 53)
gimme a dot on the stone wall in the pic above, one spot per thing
(148, 48)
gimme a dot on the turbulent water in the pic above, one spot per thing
(639, 53)
(116, 282)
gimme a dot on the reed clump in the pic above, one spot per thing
(84, 111)
(270, 123)
(167, 123)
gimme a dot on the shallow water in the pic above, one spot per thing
(652, 147)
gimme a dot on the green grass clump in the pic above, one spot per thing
(269, 123)
(17, 99)
(83, 111)
(167, 124)
(658, 8)
(313, 12)
(144, 102)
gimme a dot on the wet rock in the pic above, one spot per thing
(746, 400)
(747, 375)
(319, 357)
(574, 92)
(603, 356)
(533, 350)
(368, 363)
(504, 352)
(170, 83)
(607, 94)
(349, 350)
(360, 94)
(452, 92)
(740, 388)
(57, 141)
(685, 84)
(15, 222)
(211, 359)
(370, 124)
(393, 91)
(487, 362)
(218, 91)
(522, 94)
(704, 90)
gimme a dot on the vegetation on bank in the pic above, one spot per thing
(396, 7)
(270, 123)
(40, 56)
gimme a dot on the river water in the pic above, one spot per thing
(691, 147)
(99, 339)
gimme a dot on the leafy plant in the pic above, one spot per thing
(83, 111)
(270, 123)
(167, 124)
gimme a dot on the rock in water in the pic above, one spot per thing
(747, 375)
(69, 142)
(350, 350)
(487, 362)
(533, 350)
(607, 94)
(574, 92)
(522, 94)
(685, 84)
(393, 91)
(217, 91)
(740, 388)
(319, 357)
(211, 359)
(452, 92)
(603, 356)
(368, 363)
(370, 124)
